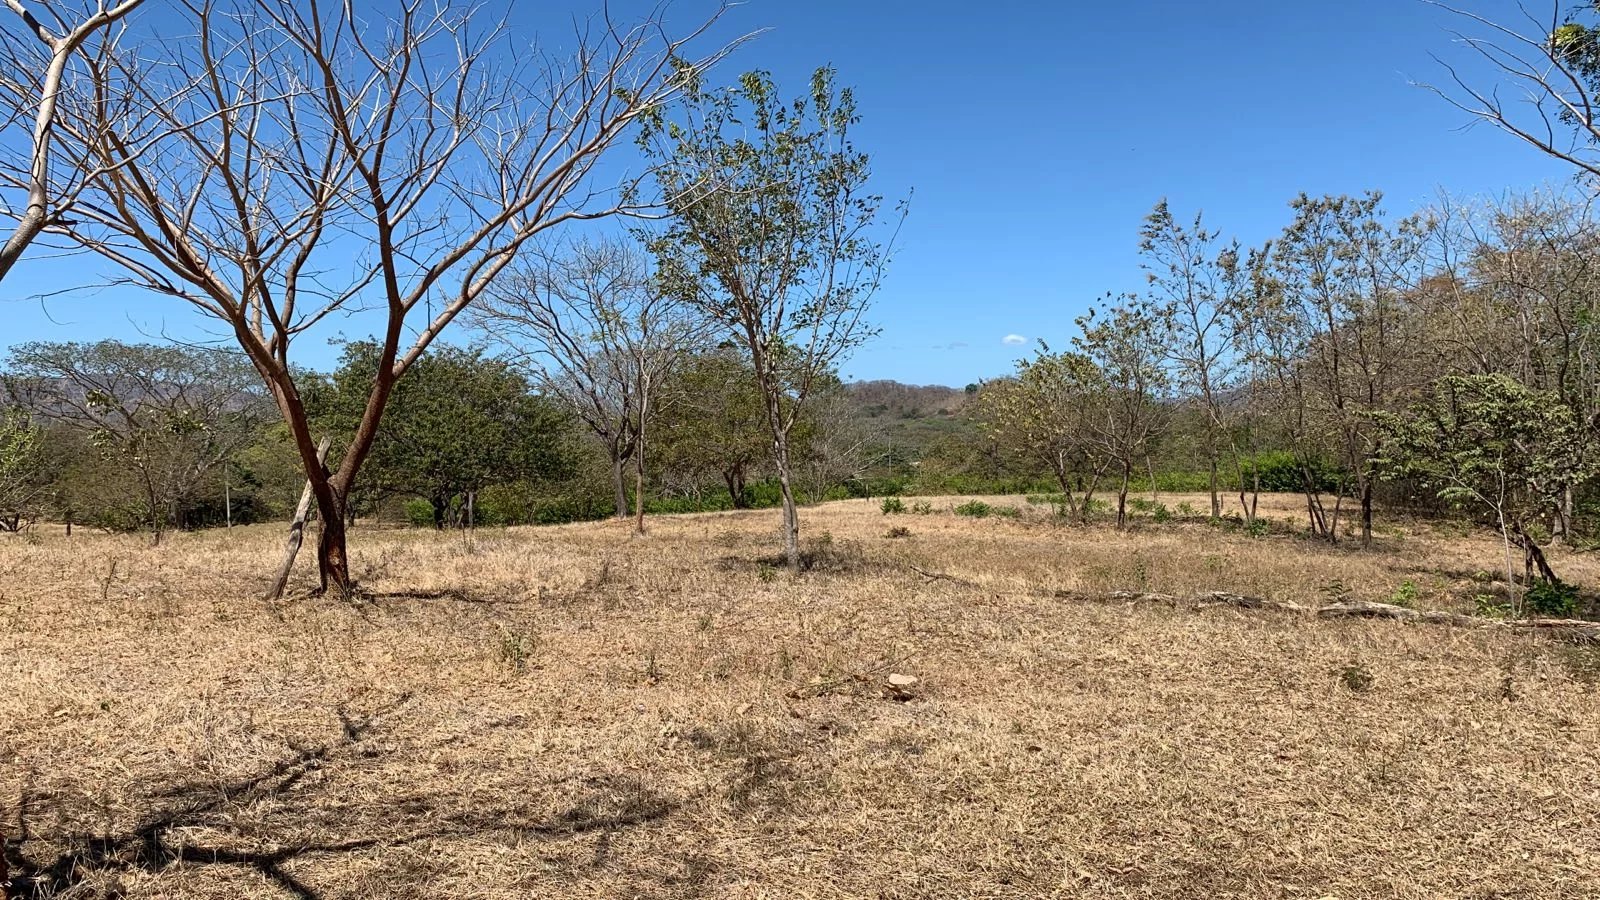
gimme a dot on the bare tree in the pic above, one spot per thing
(1550, 55)
(34, 65)
(590, 324)
(317, 161)
(773, 237)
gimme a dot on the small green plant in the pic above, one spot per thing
(1405, 595)
(1356, 677)
(922, 509)
(1007, 512)
(1187, 510)
(1491, 606)
(1556, 599)
(976, 509)
(898, 531)
(1258, 528)
(767, 573)
(893, 506)
(1160, 513)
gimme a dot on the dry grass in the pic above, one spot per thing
(571, 712)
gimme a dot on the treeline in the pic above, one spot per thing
(1444, 360)
(140, 437)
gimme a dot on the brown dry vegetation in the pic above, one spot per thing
(571, 712)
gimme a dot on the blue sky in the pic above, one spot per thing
(1037, 135)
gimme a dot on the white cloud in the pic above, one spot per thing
(1013, 340)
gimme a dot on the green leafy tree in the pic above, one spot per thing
(716, 428)
(1046, 415)
(21, 469)
(1491, 443)
(1126, 346)
(461, 422)
(772, 237)
(168, 416)
(1334, 312)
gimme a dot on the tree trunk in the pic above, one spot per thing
(440, 508)
(791, 513)
(1122, 495)
(1216, 495)
(638, 490)
(1066, 492)
(620, 485)
(297, 530)
(1366, 514)
(735, 479)
(333, 562)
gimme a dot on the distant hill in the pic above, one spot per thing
(907, 419)
(891, 399)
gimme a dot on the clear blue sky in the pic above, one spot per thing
(1036, 136)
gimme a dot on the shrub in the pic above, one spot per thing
(1280, 472)
(977, 509)
(893, 505)
(1552, 598)
(1007, 512)
(1405, 595)
(898, 531)
(1491, 606)
(922, 509)
(419, 513)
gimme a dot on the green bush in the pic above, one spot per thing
(419, 513)
(977, 509)
(922, 509)
(1405, 595)
(1007, 512)
(893, 505)
(1280, 472)
(1552, 598)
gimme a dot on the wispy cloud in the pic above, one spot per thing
(953, 345)
(1013, 340)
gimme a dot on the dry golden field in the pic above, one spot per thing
(574, 712)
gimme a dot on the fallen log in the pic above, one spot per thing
(1577, 630)
(1203, 600)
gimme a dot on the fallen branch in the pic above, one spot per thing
(941, 576)
(1203, 600)
(1577, 630)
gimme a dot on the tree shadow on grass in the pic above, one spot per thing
(612, 804)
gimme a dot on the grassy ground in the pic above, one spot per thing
(574, 712)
